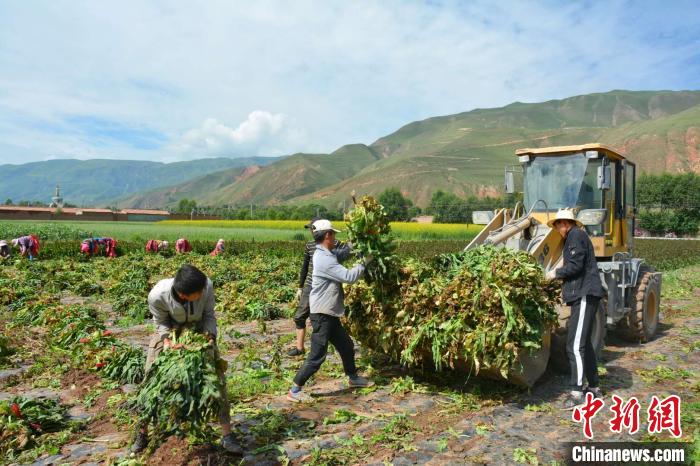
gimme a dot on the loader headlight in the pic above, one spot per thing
(592, 217)
(482, 217)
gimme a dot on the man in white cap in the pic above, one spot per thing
(342, 252)
(326, 306)
(582, 290)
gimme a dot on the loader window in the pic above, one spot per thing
(562, 181)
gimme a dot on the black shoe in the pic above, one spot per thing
(295, 352)
(230, 444)
(572, 400)
(597, 392)
(140, 443)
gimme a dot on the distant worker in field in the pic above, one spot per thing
(109, 246)
(5, 251)
(582, 290)
(94, 246)
(219, 248)
(341, 252)
(89, 247)
(186, 301)
(326, 305)
(28, 246)
(182, 246)
(156, 245)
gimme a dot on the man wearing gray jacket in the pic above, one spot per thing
(326, 307)
(186, 301)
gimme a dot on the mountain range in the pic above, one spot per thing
(463, 153)
(99, 182)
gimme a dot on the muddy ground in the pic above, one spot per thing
(408, 418)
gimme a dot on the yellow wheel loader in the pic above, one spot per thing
(599, 184)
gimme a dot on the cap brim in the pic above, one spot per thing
(337, 231)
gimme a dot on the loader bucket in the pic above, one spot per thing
(526, 370)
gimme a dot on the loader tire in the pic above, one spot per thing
(639, 325)
(558, 359)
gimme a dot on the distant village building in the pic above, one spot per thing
(423, 219)
(57, 211)
(57, 200)
(86, 214)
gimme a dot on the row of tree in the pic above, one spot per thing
(26, 203)
(444, 207)
(669, 204)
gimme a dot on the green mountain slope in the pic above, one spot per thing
(96, 182)
(666, 144)
(291, 177)
(466, 153)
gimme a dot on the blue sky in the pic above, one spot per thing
(169, 81)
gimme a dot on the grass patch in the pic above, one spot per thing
(540, 408)
(680, 283)
(662, 373)
(525, 456)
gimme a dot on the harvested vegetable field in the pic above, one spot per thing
(74, 334)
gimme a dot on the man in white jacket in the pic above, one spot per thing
(326, 306)
(186, 301)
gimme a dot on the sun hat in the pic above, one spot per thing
(3, 242)
(564, 214)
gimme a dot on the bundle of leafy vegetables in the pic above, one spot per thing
(480, 308)
(181, 392)
(124, 364)
(22, 419)
(370, 233)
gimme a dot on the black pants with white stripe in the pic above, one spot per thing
(579, 347)
(327, 329)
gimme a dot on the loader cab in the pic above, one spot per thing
(597, 181)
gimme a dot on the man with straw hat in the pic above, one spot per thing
(582, 291)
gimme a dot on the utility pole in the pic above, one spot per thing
(251, 211)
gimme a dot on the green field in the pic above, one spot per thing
(421, 240)
(198, 230)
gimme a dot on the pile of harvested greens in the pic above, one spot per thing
(481, 307)
(23, 419)
(181, 392)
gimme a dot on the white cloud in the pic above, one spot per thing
(340, 72)
(262, 133)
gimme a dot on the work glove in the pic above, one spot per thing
(298, 295)
(349, 244)
(550, 275)
(368, 259)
